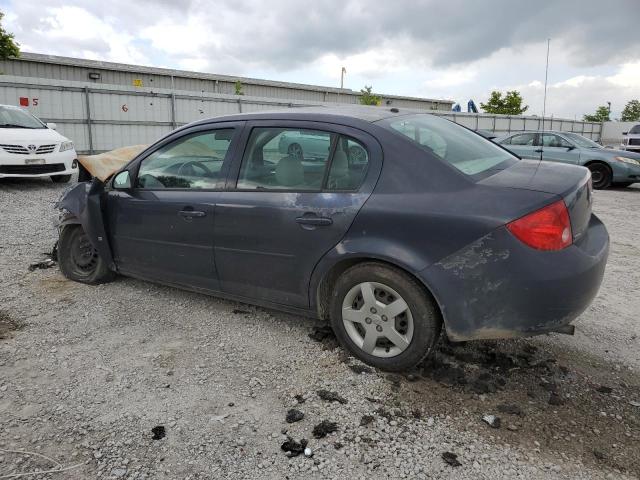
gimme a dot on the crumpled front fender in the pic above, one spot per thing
(82, 205)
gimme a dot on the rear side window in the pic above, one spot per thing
(193, 161)
(524, 139)
(469, 153)
(301, 160)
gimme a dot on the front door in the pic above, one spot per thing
(163, 227)
(283, 212)
(556, 149)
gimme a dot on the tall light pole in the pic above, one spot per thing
(342, 72)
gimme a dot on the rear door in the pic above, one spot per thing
(281, 214)
(557, 149)
(163, 227)
(523, 145)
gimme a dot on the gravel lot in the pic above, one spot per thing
(86, 373)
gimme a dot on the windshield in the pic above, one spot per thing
(468, 152)
(635, 129)
(581, 141)
(14, 117)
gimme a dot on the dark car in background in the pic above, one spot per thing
(433, 227)
(608, 166)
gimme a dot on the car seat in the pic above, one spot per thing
(290, 172)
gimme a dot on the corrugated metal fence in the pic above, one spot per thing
(103, 117)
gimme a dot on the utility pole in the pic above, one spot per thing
(546, 74)
(342, 72)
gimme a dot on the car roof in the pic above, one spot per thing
(343, 113)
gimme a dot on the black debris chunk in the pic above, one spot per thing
(331, 396)
(158, 432)
(294, 415)
(360, 369)
(47, 262)
(320, 334)
(444, 373)
(293, 448)
(555, 399)
(300, 399)
(366, 420)
(337, 445)
(510, 409)
(604, 389)
(451, 459)
(239, 311)
(324, 428)
(417, 414)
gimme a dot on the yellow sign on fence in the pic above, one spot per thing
(137, 82)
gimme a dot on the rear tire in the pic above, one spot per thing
(394, 342)
(601, 175)
(78, 259)
(60, 178)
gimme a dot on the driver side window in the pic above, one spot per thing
(192, 161)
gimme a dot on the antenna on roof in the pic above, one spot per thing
(544, 101)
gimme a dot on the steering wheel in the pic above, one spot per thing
(190, 164)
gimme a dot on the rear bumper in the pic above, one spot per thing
(58, 163)
(498, 287)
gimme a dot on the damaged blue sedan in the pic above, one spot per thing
(399, 225)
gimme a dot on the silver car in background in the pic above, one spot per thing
(608, 166)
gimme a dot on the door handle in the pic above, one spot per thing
(191, 213)
(314, 220)
(538, 150)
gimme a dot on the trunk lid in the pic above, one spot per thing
(570, 182)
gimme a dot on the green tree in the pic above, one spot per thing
(631, 112)
(8, 47)
(510, 104)
(368, 98)
(238, 87)
(601, 115)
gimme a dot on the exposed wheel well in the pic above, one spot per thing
(323, 294)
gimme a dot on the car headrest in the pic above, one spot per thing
(289, 171)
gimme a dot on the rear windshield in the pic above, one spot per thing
(465, 150)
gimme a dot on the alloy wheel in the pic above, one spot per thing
(377, 319)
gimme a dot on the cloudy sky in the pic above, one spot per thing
(450, 49)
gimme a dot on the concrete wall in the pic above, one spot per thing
(612, 133)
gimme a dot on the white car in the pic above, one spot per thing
(31, 148)
(631, 142)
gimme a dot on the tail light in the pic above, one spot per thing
(546, 229)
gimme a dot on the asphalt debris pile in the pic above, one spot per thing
(324, 335)
(7, 325)
(294, 415)
(293, 448)
(324, 428)
(158, 432)
(360, 369)
(451, 459)
(331, 396)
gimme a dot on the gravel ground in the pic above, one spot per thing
(88, 373)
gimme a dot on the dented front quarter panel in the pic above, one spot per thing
(497, 287)
(82, 204)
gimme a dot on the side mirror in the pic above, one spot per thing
(52, 126)
(122, 181)
(625, 133)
